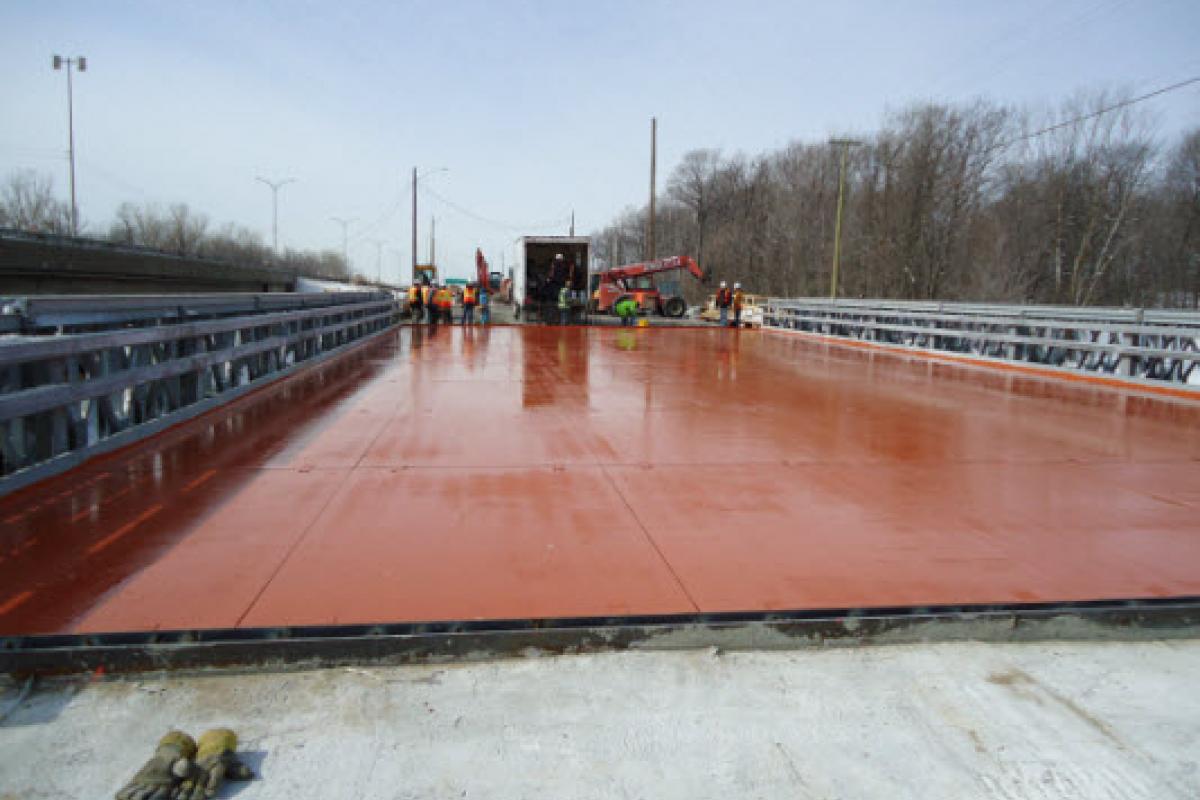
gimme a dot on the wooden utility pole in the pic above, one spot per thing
(845, 144)
(653, 165)
(414, 226)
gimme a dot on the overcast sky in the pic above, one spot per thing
(535, 108)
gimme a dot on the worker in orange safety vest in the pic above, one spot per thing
(416, 303)
(443, 298)
(470, 300)
(427, 301)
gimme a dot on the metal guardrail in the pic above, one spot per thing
(148, 362)
(76, 313)
(1150, 345)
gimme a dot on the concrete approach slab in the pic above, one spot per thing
(527, 472)
(1076, 721)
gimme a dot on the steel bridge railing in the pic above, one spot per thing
(1142, 345)
(143, 363)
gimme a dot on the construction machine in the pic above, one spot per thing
(425, 273)
(645, 282)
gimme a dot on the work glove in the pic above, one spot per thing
(162, 774)
(215, 763)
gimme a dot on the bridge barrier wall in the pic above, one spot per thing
(92, 374)
(1151, 347)
(37, 263)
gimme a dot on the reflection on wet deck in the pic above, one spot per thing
(529, 472)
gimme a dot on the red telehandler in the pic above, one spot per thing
(638, 280)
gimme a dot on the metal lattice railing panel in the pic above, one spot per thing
(66, 397)
(1156, 346)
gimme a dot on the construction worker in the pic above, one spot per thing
(416, 304)
(627, 309)
(485, 308)
(470, 298)
(724, 300)
(427, 302)
(443, 299)
(739, 300)
(564, 305)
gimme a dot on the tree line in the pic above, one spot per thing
(28, 203)
(1079, 206)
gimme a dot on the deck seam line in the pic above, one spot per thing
(317, 517)
(308, 528)
(650, 539)
(292, 549)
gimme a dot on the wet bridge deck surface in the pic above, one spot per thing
(548, 472)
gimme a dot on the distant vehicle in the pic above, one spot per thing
(645, 282)
(536, 281)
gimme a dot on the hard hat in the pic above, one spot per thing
(722, 284)
(737, 286)
(558, 256)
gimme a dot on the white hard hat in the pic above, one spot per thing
(737, 286)
(558, 256)
(722, 284)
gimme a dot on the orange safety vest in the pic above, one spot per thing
(414, 294)
(469, 296)
(426, 293)
(443, 299)
(739, 298)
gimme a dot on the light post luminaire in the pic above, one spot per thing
(415, 178)
(79, 63)
(275, 187)
(845, 144)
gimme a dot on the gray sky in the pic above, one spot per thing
(535, 108)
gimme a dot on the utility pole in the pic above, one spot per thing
(345, 223)
(572, 222)
(80, 63)
(414, 217)
(653, 166)
(432, 237)
(845, 144)
(275, 187)
(414, 225)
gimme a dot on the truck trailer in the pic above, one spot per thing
(537, 281)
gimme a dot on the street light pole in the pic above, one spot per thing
(845, 144)
(275, 187)
(345, 223)
(80, 63)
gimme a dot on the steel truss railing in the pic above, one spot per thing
(154, 362)
(1154, 346)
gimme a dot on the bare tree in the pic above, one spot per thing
(970, 201)
(27, 202)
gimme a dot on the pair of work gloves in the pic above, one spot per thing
(181, 769)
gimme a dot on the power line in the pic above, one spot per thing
(480, 218)
(1100, 112)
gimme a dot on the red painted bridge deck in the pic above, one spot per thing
(548, 472)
